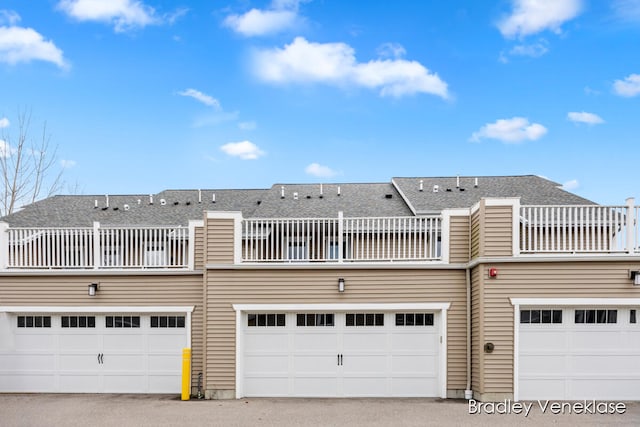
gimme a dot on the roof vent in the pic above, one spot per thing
(421, 185)
(320, 190)
(95, 204)
(436, 188)
(461, 189)
(458, 181)
(213, 198)
(188, 203)
(199, 196)
(139, 201)
(338, 190)
(116, 208)
(308, 197)
(176, 203)
(150, 199)
(448, 190)
(475, 184)
(295, 196)
(388, 196)
(163, 202)
(126, 207)
(106, 200)
(258, 202)
(282, 192)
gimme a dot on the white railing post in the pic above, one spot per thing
(630, 224)
(96, 245)
(4, 245)
(340, 236)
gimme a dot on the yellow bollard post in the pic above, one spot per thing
(186, 373)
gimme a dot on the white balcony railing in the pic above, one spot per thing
(341, 239)
(97, 247)
(579, 229)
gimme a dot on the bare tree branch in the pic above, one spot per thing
(27, 165)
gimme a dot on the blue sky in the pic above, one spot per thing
(141, 96)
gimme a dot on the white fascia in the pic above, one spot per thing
(192, 241)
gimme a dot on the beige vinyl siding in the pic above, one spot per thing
(147, 290)
(459, 239)
(477, 353)
(539, 280)
(475, 234)
(498, 233)
(199, 248)
(227, 287)
(220, 241)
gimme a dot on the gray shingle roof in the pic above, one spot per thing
(532, 190)
(355, 200)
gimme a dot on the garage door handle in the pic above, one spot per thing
(100, 358)
(339, 360)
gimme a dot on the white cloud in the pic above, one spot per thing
(18, 44)
(320, 171)
(280, 16)
(533, 16)
(628, 87)
(4, 123)
(535, 50)
(512, 130)
(66, 164)
(202, 97)
(9, 17)
(247, 125)
(571, 185)
(583, 117)
(246, 150)
(5, 149)
(627, 10)
(391, 50)
(335, 64)
(122, 14)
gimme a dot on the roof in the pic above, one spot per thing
(400, 197)
(462, 192)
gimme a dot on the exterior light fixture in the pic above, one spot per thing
(634, 275)
(93, 288)
(341, 285)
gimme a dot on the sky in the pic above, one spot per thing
(145, 95)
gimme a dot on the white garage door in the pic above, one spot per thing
(92, 353)
(335, 354)
(579, 353)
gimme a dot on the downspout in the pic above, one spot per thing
(468, 393)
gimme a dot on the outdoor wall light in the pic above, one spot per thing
(634, 275)
(341, 285)
(93, 288)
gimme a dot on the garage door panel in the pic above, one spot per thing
(414, 365)
(80, 341)
(91, 359)
(585, 340)
(86, 381)
(313, 386)
(548, 364)
(339, 360)
(275, 386)
(413, 386)
(321, 364)
(266, 363)
(124, 342)
(365, 386)
(548, 339)
(575, 361)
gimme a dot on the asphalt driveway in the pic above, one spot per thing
(163, 410)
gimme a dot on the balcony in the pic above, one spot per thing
(342, 239)
(97, 248)
(588, 229)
